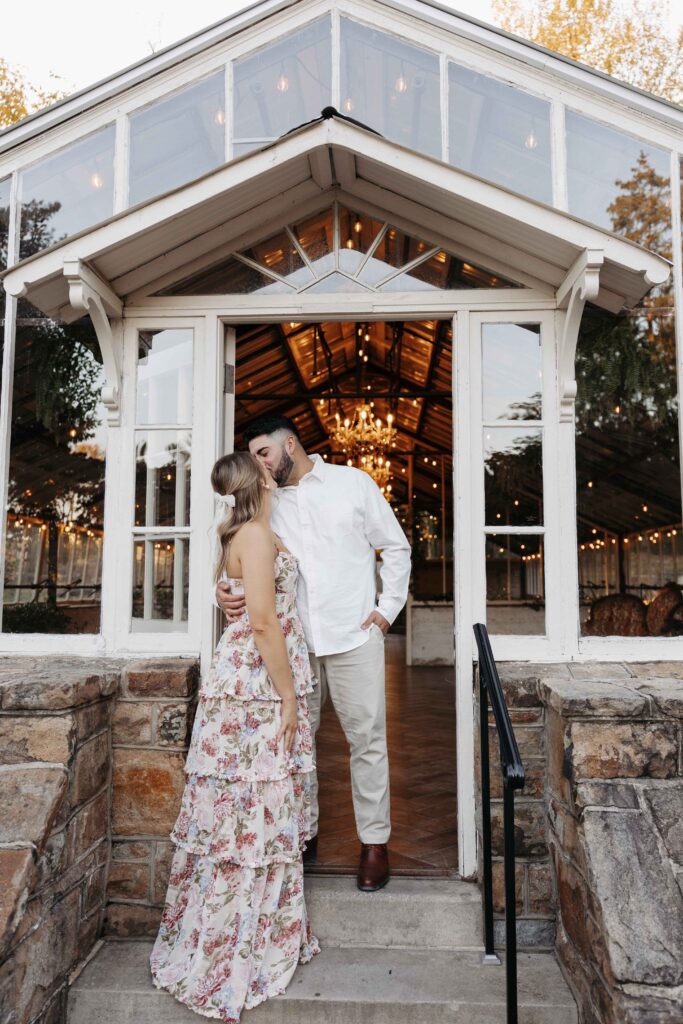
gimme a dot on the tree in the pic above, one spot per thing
(629, 40)
(19, 98)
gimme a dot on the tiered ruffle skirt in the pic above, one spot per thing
(234, 925)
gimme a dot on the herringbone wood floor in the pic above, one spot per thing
(421, 738)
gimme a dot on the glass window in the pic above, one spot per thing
(515, 591)
(177, 139)
(164, 391)
(511, 367)
(628, 475)
(368, 256)
(5, 187)
(391, 86)
(67, 192)
(282, 86)
(162, 480)
(53, 553)
(513, 476)
(619, 182)
(499, 133)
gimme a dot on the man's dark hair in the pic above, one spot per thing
(268, 425)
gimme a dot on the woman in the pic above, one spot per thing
(234, 926)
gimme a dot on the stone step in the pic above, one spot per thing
(340, 986)
(423, 913)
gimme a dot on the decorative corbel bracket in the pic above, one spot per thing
(581, 285)
(89, 293)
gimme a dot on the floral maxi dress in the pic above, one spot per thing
(234, 925)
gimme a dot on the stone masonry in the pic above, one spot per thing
(55, 754)
(150, 736)
(88, 747)
(599, 822)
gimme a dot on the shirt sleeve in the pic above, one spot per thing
(383, 531)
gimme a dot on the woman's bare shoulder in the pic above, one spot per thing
(254, 537)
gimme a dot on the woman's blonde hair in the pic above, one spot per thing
(241, 475)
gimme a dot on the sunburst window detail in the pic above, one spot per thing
(338, 251)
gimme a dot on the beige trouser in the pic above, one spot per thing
(354, 681)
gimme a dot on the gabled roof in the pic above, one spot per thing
(431, 11)
(205, 219)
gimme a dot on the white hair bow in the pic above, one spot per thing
(225, 500)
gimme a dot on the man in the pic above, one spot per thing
(333, 518)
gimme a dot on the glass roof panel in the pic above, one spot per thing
(348, 269)
(279, 255)
(229, 278)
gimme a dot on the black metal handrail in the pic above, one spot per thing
(513, 778)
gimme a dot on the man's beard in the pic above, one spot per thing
(283, 470)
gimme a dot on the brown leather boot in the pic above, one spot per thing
(373, 868)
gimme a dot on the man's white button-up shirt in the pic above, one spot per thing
(333, 520)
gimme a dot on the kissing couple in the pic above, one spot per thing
(295, 575)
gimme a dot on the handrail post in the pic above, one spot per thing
(490, 956)
(510, 903)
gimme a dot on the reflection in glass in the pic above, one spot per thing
(515, 589)
(160, 584)
(162, 478)
(177, 139)
(315, 235)
(164, 376)
(619, 182)
(53, 549)
(233, 277)
(391, 86)
(628, 476)
(499, 133)
(4, 220)
(67, 192)
(282, 86)
(357, 235)
(513, 479)
(511, 371)
(279, 255)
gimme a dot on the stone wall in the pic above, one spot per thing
(54, 827)
(150, 734)
(534, 892)
(615, 802)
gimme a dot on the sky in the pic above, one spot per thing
(82, 42)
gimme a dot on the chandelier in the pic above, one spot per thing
(366, 441)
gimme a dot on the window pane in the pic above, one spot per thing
(515, 590)
(619, 182)
(162, 478)
(391, 86)
(499, 133)
(628, 476)
(280, 256)
(160, 584)
(56, 482)
(177, 139)
(229, 278)
(513, 480)
(164, 382)
(282, 86)
(4, 220)
(316, 237)
(67, 192)
(511, 369)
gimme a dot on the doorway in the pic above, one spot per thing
(330, 377)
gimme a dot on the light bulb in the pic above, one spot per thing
(531, 141)
(358, 226)
(96, 180)
(347, 105)
(283, 83)
(349, 243)
(219, 117)
(401, 84)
